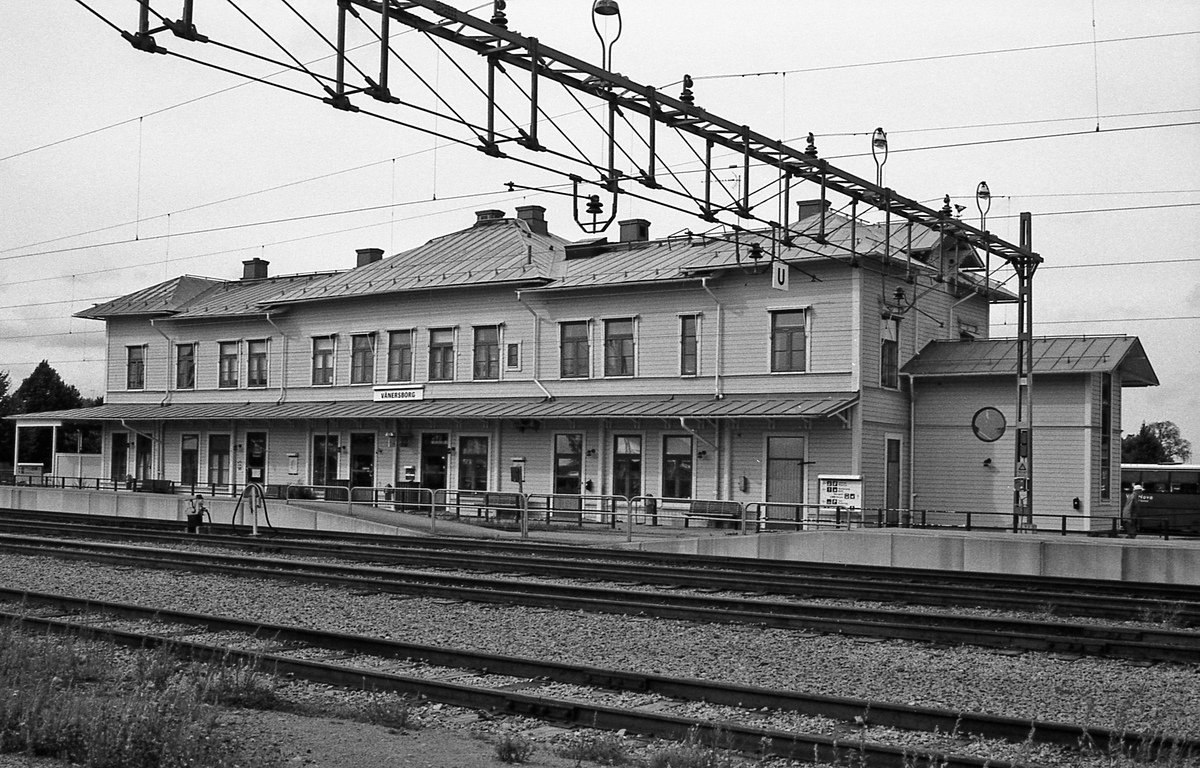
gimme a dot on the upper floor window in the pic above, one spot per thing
(185, 366)
(400, 356)
(135, 367)
(256, 363)
(512, 357)
(573, 350)
(441, 354)
(227, 357)
(788, 340)
(688, 334)
(618, 347)
(487, 352)
(322, 360)
(889, 355)
(362, 358)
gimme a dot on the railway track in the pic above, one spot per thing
(1117, 601)
(371, 666)
(1138, 643)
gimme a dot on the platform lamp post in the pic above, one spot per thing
(879, 151)
(606, 8)
(983, 201)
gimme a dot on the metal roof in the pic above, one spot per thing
(664, 407)
(161, 299)
(1053, 354)
(500, 251)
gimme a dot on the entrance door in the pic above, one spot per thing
(435, 448)
(256, 458)
(142, 458)
(892, 491)
(472, 463)
(627, 465)
(119, 466)
(785, 478)
(362, 459)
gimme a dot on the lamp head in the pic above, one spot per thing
(606, 8)
(879, 139)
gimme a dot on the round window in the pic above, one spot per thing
(988, 424)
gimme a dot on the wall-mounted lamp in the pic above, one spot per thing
(701, 454)
(590, 452)
(987, 462)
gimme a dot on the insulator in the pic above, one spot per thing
(498, 17)
(756, 252)
(594, 206)
(811, 149)
(946, 210)
(687, 97)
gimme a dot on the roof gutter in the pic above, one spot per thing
(125, 424)
(167, 385)
(537, 336)
(695, 434)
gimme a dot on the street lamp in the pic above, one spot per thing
(879, 146)
(983, 201)
(606, 8)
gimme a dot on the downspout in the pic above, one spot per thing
(537, 350)
(912, 439)
(695, 434)
(167, 385)
(717, 394)
(284, 365)
(950, 312)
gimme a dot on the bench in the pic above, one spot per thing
(705, 509)
(506, 506)
(156, 486)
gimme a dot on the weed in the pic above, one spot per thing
(514, 749)
(391, 712)
(600, 747)
(692, 752)
(1164, 614)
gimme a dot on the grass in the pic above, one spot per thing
(599, 747)
(68, 699)
(514, 748)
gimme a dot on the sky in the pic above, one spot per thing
(120, 169)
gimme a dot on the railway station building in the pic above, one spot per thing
(685, 367)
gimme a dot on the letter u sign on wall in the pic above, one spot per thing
(779, 275)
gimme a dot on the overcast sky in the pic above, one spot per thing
(119, 169)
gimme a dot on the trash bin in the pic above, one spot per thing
(194, 521)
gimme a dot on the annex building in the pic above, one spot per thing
(675, 368)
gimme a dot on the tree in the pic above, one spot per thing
(1156, 443)
(7, 428)
(42, 390)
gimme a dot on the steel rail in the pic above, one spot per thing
(911, 718)
(1140, 644)
(1181, 606)
(731, 734)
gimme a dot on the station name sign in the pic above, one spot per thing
(397, 394)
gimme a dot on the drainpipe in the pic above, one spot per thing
(166, 397)
(283, 366)
(717, 394)
(537, 357)
(695, 434)
(912, 439)
(950, 312)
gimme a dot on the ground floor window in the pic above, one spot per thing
(472, 463)
(325, 459)
(119, 459)
(568, 463)
(218, 459)
(189, 459)
(677, 467)
(627, 465)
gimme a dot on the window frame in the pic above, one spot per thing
(191, 346)
(776, 332)
(258, 364)
(227, 374)
(889, 354)
(581, 363)
(491, 353)
(442, 354)
(670, 485)
(628, 366)
(694, 353)
(362, 358)
(135, 369)
(330, 355)
(512, 355)
(396, 353)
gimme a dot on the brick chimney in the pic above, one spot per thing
(368, 256)
(254, 269)
(535, 217)
(811, 208)
(483, 218)
(634, 230)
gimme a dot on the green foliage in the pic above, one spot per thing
(514, 749)
(45, 390)
(1155, 443)
(598, 747)
(693, 752)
